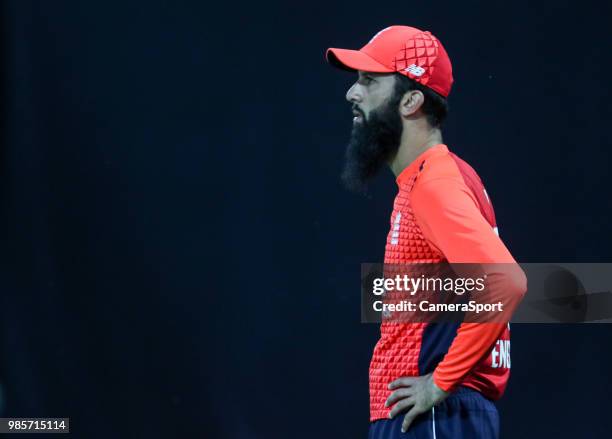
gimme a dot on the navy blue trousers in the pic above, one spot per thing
(465, 414)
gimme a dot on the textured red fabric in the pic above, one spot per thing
(397, 352)
(442, 213)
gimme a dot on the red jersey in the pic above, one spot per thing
(443, 213)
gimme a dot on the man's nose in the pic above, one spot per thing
(353, 95)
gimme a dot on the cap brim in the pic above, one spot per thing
(353, 60)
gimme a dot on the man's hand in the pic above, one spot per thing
(420, 393)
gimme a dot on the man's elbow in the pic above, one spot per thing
(517, 282)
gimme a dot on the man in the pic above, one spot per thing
(425, 379)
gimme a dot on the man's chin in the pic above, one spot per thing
(371, 144)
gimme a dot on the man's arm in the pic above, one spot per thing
(450, 218)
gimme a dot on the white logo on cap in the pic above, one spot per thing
(415, 70)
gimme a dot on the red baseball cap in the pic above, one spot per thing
(406, 50)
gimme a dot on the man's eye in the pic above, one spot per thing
(366, 80)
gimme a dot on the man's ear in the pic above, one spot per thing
(411, 102)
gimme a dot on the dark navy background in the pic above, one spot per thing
(179, 258)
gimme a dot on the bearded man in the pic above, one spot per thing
(429, 380)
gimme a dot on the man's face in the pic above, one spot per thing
(377, 128)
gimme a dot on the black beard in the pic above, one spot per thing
(373, 143)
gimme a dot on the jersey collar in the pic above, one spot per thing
(413, 167)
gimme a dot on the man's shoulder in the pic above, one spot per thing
(445, 175)
(445, 180)
(444, 167)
